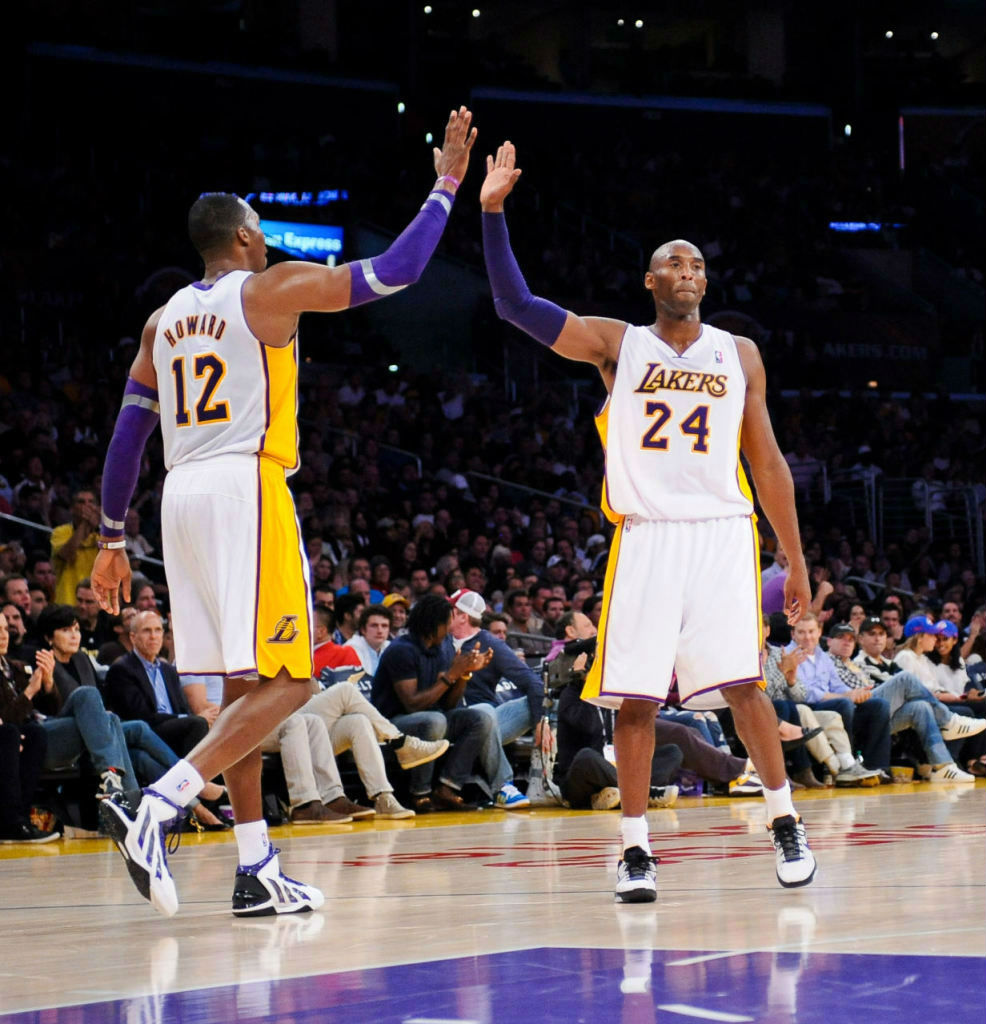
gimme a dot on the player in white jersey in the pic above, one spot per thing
(684, 397)
(218, 364)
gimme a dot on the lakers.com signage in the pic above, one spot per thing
(321, 243)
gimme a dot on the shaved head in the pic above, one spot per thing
(662, 252)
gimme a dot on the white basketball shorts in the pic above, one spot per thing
(679, 597)
(237, 572)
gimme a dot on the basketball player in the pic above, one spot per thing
(682, 397)
(218, 365)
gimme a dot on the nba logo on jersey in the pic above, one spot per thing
(285, 631)
(718, 356)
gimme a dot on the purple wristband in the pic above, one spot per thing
(512, 299)
(137, 418)
(403, 263)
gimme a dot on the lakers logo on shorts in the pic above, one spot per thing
(285, 631)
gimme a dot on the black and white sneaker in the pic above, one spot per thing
(260, 890)
(139, 834)
(795, 862)
(636, 877)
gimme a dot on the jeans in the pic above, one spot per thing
(912, 706)
(473, 734)
(150, 755)
(84, 725)
(510, 720)
(426, 725)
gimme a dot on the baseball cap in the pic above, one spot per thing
(868, 625)
(596, 538)
(556, 560)
(392, 599)
(918, 624)
(468, 601)
(946, 628)
(842, 629)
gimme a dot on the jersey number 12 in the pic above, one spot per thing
(210, 369)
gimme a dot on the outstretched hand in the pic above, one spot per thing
(501, 176)
(111, 568)
(453, 157)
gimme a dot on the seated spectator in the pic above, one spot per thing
(951, 677)
(832, 746)
(919, 639)
(353, 723)
(372, 637)
(893, 626)
(121, 643)
(21, 648)
(23, 745)
(522, 623)
(933, 721)
(348, 608)
(328, 653)
(866, 716)
(73, 546)
(134, 751)
(76, 720)
(421, 692)
(514, 717)
(359, 569)
(553, 610)
(142, 686)
(93, 622)
(398, 605)
(16, 590)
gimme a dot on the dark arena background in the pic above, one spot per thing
(828, 160)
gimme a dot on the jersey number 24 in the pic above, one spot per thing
(696, 424)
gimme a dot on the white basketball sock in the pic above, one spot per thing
(181, 784)
(252, 841)
(634, 833)
(779, 802)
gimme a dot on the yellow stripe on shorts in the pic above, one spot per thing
(594, 680)
(283, 632)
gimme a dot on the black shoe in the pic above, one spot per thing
(800, 741)
(25, 832)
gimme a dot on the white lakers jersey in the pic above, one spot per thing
(671, 429)
(220, 389)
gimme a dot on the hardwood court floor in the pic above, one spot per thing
(497, 917)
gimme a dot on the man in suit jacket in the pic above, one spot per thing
(141, 685)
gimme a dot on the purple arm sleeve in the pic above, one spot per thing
(512, 299)
(403, 263)
(138, 417)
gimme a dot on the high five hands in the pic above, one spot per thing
(501, 176)
(453, 157)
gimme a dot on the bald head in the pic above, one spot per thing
(679, 246)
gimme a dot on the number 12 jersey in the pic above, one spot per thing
(220, 389)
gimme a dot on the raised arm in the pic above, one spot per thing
(772, 477)
(593, 340)
(274, 298)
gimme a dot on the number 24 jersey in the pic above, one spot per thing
(671, 429)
